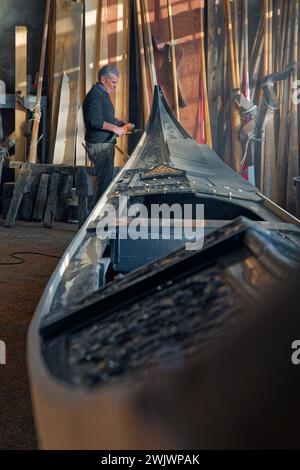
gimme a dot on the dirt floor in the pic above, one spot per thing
(20, 289)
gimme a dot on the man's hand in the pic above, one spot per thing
(128, 127)
(119, 131)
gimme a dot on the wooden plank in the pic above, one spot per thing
(49, 168)
(269, 148)
(63, 196)
(82, 92)
(208, 138)
(234, 76)
(20, 87)
(173, 58)
(29, 196)
(2, 101)
(81, 157)
(282, 148)
(92, 14)
(69, 18)
(215, 60)
(72, 66)
(41, 199)
(59, 154)
(270, 176)
(52, 200)
(18, 194)
(122, 57)
(141, 49)
(293, 154)
(82, 192)
(236, 43)
(148, 44)
(103, 35)
(2, 157)
(37, 108)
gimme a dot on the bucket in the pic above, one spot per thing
(297, 183)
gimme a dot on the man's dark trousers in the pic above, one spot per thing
(102, 156)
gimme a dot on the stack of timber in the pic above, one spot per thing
(44, 191)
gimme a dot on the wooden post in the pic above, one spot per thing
(236, 44)
(21, 90)
(204, 79)
(41, 199)
(268, 154)
(149, 45)
(82, 192)
(142, 61)
(246, 47)
(293, 155)
(103, 37)
(284, 117)
(37, 109)
(122, 92)
(2, 156)
(173, 58)
(52, 200)
(17, 195)
(92, 15)
(59, 155)
(236, 118)
(265, 72)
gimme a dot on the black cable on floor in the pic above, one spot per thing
(21, 260)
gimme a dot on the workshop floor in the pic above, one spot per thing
(20, 289)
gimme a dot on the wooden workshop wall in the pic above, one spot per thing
(186, 19)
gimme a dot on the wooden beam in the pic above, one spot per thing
(92, 13)
(236, 118)
(82, 192)
(203, 76)
(148, 44)
(2, 157)
(49, 168)
(173, 59)
(81, 157)
(52, 200)
(142, 62)
(41, 199)
(215, 65)
(17, 195)
(282, 148)
(293, 154)
(122, 92)
(37, 108)
(236, 44)
(21, 89)
(61, 135)
(103, 36)
(69, 18)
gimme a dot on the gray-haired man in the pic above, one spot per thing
(101, 127)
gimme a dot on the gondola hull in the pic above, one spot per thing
(77, 403)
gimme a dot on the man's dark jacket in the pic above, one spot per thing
(97, 108)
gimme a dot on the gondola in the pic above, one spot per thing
(117, 308)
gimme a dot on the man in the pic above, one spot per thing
(102, 127)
